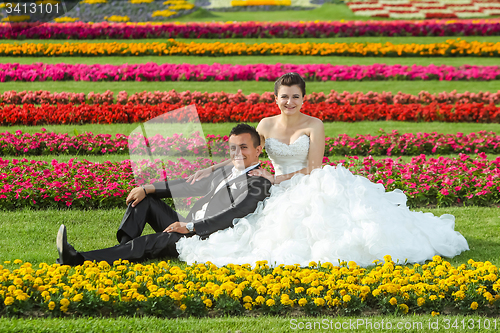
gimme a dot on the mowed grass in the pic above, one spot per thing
(327, 12)
(332, 129)
(260, 324)
(247, 59)
(30, 235)
(248, 87)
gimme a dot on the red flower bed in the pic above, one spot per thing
(29, 114)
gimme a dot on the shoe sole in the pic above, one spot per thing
(60, 241)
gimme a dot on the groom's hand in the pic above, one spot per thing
(135, 196)
(179, 227)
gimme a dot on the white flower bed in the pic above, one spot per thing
(421, 9)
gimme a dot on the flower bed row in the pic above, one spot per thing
(85, 185)
(394, 143)
(164, 290)
(218, 30)
(450, 48)
(416, 9)
(196, 97)
(28, 114)
(255, 72)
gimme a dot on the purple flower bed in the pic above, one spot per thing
(196, 97)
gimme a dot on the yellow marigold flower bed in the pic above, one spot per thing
(93, 1)
(451, 47)
(163, 13)
(141, 1)
(16, 18)
(66, 19)
(44, 2)
(244, 3)
(117, 18)
(166, 290)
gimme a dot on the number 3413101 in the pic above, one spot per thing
(31, 8)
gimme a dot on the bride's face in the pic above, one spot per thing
(289, 99)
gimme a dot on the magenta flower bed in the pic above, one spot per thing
(254, 72)
(427, 181)
(217, 30)
(196, 97)
(44, 143)
(25, 144)
(80, 185)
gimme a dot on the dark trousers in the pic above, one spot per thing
(159, 216)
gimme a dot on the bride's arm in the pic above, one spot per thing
(316, 152)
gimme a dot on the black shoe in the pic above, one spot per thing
(67, 253)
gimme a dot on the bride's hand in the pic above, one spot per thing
(262, 173)
(200, 174)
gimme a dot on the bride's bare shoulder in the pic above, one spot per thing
(314, 122)
(266, 125)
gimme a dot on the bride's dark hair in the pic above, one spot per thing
(290, 79)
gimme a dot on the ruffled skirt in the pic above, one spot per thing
(330, 215)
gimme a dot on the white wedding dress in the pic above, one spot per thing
(327, 216)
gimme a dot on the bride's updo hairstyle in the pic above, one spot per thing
(245, 128)
(290, 79)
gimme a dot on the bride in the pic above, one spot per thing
(320, 214)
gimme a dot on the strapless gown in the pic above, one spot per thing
(327, 216)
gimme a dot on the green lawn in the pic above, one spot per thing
(271, 60)
(248, 87)
(332, 129)
(327, 12)
(421, 323)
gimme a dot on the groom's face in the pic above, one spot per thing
(242, 151)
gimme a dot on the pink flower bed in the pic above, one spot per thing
(218, 30)
(227, 72)
(196, 97)
(82, 185)
(394, 143)
(45, 143)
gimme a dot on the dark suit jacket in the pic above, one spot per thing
(238, 199)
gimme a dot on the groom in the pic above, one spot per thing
(228, 193)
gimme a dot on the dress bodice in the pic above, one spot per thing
(288, 158)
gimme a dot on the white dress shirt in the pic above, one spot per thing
(234, 174)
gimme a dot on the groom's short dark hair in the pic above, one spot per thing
(244, 128)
